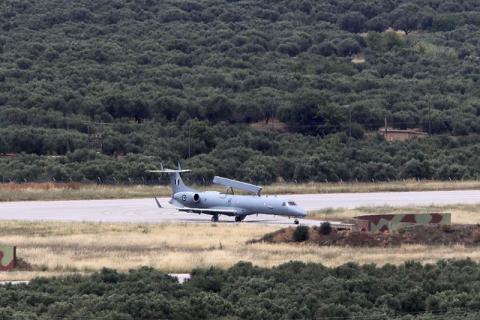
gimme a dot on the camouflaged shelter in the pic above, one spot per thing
(384, 222)
(8, 258)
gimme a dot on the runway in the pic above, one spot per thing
(145, 210)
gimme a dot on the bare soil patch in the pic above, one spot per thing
(273, 124)
(23, 265)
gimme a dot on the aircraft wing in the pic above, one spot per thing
(209, 210)
(180, 207)
(237, 185)
(172, 201)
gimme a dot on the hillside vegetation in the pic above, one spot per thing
(82, 82)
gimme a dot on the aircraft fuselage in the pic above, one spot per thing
(243, 204)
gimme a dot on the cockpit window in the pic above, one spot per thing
(291, 203)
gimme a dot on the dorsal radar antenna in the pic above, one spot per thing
(234, 184)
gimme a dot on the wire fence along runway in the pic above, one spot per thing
(146, 211)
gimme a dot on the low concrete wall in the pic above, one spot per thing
(384, 222)
(8, 258)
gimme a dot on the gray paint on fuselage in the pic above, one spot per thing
(244, 204)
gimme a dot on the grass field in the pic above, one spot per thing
(54, 248)
(78, 191)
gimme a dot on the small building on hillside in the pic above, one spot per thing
(272, 124)
(390, 134)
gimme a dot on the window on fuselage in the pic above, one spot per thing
(291, 203)
(283, 204)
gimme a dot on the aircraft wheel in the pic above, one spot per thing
(239, 218)
(296, 221)
(215, 218)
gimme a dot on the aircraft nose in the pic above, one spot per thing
(302, 211)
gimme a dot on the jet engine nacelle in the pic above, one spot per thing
(196, 197)
(187, 198)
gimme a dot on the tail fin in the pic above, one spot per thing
(176, 182)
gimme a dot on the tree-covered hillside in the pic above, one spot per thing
(82, 81)
(445, 290)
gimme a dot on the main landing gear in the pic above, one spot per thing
(215, 218)
(296, 221)
(239, 218)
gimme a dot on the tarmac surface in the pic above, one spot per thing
(146, 211)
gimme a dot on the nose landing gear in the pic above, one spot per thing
(215, 218)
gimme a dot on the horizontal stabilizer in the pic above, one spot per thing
(237, 185)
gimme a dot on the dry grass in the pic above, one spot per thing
(462, 214)
(55, 248)
(84, 247)
(77, 191)
(344, 187)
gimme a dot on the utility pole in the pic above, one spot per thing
(386, 127)
(273, 117)
(349, 122)
(273, 137)
(88, 136)
(349, 107)
(189, 137)
(68, 135)
(101, 137)
(429, 116)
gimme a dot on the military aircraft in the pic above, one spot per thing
(214, 203)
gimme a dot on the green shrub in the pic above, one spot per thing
(294, 290)
(325, 228)
(300, 234)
